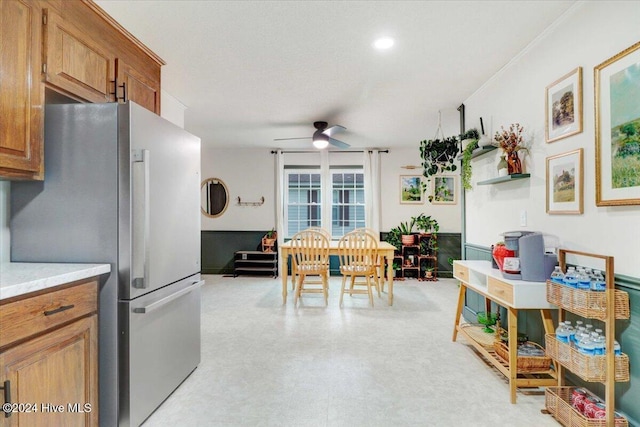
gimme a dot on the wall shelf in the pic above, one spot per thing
(500, 179)
(480, 151)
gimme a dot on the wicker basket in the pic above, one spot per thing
(589, 368)
(589, 304)
(525, 363)
(558, 403)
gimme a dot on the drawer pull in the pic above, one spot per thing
(59, 309)
(7, 398)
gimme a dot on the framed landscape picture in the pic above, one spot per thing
(565, 194)
(617, 91)
(411, 189)
(564, 106)
(444, 190)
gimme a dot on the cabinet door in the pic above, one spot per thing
(56, 372)
(76, 63)
(137, 87)
(21, 119)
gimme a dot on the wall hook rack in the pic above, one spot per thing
(259, 203)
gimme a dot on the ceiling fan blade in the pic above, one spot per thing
(333, 129)
(338, 144)
(289, 139)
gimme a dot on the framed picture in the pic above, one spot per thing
(411, 189)
(444, 190)
(565, 183)
(617, 90)
(564, 106)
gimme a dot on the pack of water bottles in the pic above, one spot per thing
(582, 278)
(584, 338)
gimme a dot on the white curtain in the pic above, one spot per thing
(372, 189)
(279, 204)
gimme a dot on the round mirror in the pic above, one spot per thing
(214, 196)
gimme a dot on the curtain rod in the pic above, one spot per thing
(336, 151)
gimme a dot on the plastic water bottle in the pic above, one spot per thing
(598, 283)
(616, 348)
(586, 345)
(598, 344)
(583, 280)
(562, 334)
(571, 278)
(557, 276)
(571, 332)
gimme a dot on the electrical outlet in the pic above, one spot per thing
(523, 218)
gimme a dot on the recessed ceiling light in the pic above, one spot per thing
(383, 43)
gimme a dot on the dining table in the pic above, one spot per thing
(385, 250)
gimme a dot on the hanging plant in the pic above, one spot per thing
(439, 155)
(465, 172)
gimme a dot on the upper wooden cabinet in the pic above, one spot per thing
(72, 47)
(21, 94)
(75, 63)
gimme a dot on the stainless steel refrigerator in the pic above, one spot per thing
(122, 186)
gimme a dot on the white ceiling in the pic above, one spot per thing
(252, 71)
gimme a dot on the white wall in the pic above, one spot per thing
(587, 35)
(249, 173)
(172, 109)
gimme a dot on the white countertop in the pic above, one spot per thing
(18, 278)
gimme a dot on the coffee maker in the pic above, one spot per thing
(531, 262)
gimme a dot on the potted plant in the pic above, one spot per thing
(469, 137)
(396, 268)
(438, 156)
(428, 272)
(426, 224)
(406, 230)
(393, 237)
(269, 240)
(511, 141)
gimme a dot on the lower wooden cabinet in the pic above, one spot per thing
(51, 378)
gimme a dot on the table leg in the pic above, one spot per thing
(461, 294)
(284, 273)
(390, 276)
(513, 351)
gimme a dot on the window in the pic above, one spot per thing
(304, 200)
(347, 205)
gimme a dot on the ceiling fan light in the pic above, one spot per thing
(320, 143)
(383, 43)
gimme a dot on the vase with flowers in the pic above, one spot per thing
(511, 141)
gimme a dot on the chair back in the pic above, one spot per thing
(370, 231)
(310, 252)
(357, 251)
(320, 230)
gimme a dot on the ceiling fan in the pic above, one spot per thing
(322, 136)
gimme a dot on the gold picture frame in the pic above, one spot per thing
(443, 190)
(411, 189)
(617, 128)
(563, 106)
(565, 183)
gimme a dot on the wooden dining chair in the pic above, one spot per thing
(380, 276)
(357, 252)
(294, 276)
(310, 254)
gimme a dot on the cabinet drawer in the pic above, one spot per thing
(461, 272)
(501, 290)
(30, 316)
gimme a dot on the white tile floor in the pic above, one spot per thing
(268, 364)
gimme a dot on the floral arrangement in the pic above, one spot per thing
(511, 139)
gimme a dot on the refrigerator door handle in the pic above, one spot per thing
(166, 300)
(142, 156)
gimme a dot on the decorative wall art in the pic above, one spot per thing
(410, 189)
(564, 106)
(444, 190)
(617, 91)
(565, 183)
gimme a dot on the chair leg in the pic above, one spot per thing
(376, 282)
(298, 290)
(344, 280)
(369, 290)
(353, 282)
(325, 288)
